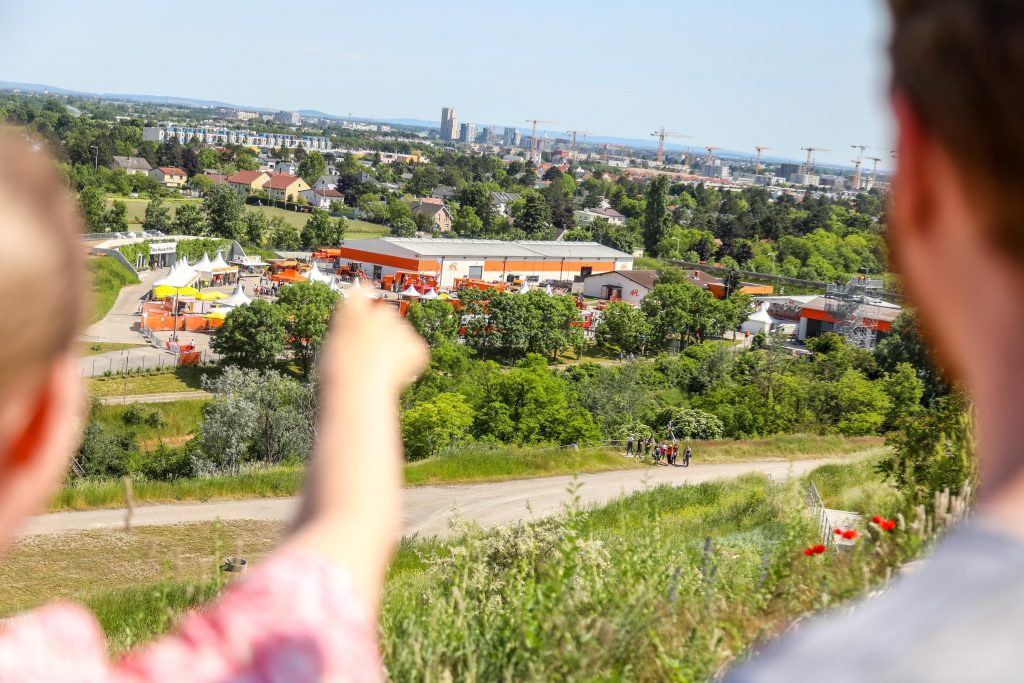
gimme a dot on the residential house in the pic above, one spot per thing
(285, 187)
(443, 192)
(501, 201)
(247, 182)
(131, 165)
(287, 167)
(630, 286)
(321, 198)
(217, 178)
(326, 182)
(587, 216)
(169, 176)
(439, 213)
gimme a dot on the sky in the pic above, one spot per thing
(730, 73)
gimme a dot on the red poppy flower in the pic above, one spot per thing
(818, 549)
(877, 519)
(808, 551)
(838, 532)
(888, 525)
(850, 534)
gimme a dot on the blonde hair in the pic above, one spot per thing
(43, 290)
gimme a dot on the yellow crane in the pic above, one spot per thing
(533, 137)
(661, 134)
(757, 165)
(874, 169)
(857, 164)
(810, 156)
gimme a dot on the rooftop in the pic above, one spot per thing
(281, 181)
(245, 177)
(526, 249)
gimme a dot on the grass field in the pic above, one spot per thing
(671, 583)
(357, 229)
(94, 348)
(108, 277)
(178, 379)
(470, 466)
(178, 420)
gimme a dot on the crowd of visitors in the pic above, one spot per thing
(662, 453)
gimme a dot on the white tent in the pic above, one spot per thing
(204, 265)
(317, 275)
(549, 291)
(525, 288)
(180, 275)
(219, 264)
(237, 298)
(355, 284)
(410, 292)
(759, 321)
(430, 295)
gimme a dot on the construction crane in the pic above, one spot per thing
(533, 137)
(857, 164)
(709, 158)
(874, 169)
(757, 165)
(605, 146)
(661, 134)
(574, 133)
(810, 156)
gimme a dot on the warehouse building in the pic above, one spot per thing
(487, 260)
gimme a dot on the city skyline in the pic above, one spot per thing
(733, 77)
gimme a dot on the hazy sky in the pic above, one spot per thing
(731, 73)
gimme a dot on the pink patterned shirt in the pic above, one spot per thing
(295, 619)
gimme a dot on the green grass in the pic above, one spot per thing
(857, 487)
(265, 254)
(671, 583)
(469, 466)
(477, 465)
(357, 229)
(137, 207)
(167, 381)
(94, 348)
(178, 420)
(108, 277)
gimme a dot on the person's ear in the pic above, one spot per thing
(913, 195)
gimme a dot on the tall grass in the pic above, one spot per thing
(669, 584)
(479, 463)
(108, 277)
(177, 418)
(162, 381)
(85, 494)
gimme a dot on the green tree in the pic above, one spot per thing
(466, 223)
(190, 219)
(623, 327)
(312, 167)
(307, 308)
(657, 219)
(224, 210)
(436, 321)
(201, 183)
(442, 422)
(257, 228)
(252, 336)
(680, 312)
(533, 216)
(158, 217)
(906, 344)
(93, 208)
(116, 218)
(322, 231)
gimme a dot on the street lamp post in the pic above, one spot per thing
(96, 163)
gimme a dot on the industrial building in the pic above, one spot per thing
(488, 260)
(630, 286)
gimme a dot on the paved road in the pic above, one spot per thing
(427, 509)
(121, 323)
(156, 398)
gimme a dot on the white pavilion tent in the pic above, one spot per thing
(237, 298)
(759, 321)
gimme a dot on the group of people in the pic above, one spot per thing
(266, 288)
(662, 453)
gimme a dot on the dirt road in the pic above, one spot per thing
(427, 509)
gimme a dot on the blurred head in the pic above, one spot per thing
(957, 234)
(41, 304)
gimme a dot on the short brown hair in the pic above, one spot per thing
(42, 279)
(960, 65)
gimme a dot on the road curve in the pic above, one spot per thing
(428, 509)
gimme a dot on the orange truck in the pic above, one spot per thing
(406, 278)
(469, 283)
(326, 254)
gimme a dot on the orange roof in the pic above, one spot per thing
(172, 170)
(281, 181)
(245, 177)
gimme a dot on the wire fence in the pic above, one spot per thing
(820, 513)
